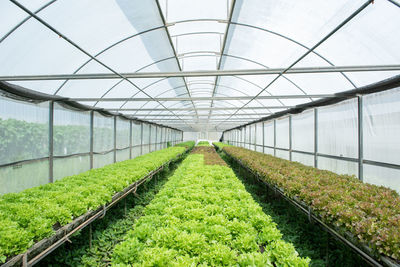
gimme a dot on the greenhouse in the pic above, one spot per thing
(199, 133)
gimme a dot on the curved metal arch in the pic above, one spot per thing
(205, 91)
(199, 20)
(232, 76)
(196, 82)
(25, 20)
(194, 33)
(106, 49)
(144, 117)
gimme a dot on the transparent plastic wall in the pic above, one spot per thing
(47, 141)
(71, 141)
(24, 139)
(123, 139)
(359, 137)
(136, 139)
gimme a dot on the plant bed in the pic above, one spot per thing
(123, 178)
(94, 246)
(204, 216)
(318, 192)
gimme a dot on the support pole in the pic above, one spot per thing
(149, 138)
(51, 141)
(141, 138)
(115, 139)
(91, 138)
(130, 139)
(360, 139)
(156, 139)
(161, 138)
(274, 138)
(290, 137)
(255, 136)
(316, 137)
(263, 133)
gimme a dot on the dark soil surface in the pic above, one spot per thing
(211, 157)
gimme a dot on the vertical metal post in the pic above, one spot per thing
(263, 133)
(51, 140)
(316, 137)
(274, 138)
(255, 136)
(141, 138)
(360, 139)
(91, 138)
(290, 137)
(149, 137)
(115, 139)
(245, 137)
(156, 142)
(161, 138)
(130, 139)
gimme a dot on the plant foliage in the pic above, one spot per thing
(204, 216)
(371, 213)
(31, 215)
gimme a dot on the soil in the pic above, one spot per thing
(211, 157)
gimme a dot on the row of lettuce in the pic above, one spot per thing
(370, 213)
(33, 214)
(204, 216)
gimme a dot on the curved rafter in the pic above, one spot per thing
(166, 27)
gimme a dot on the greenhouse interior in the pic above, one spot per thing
(200, 133)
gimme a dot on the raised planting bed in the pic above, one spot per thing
(204, 216)
(203, 143)
(364, 216)
(36, 221)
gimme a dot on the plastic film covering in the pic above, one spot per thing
(24, 130)
(24, 135)
(71, 136)
(103, 140)
(71, 131)
(123, 135)
(381, 126)
(146, 138)
(303, 131)
(338, 166)
(136, 139)
(269, 133)
(282, 133)
(338, 129)
(303, 158)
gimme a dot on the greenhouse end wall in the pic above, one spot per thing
(359, 137)
(44, 142)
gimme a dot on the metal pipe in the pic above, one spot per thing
(191, 109)
(91, 138)
(115, 139)
(360, 138)
(202, 73)
(290, 137)
(40, 20)
(316, 137)
(51, 141)
(275, 138)
(173, 49)
(215, 98)
(290, 67)
(130, 139)
(141, 138)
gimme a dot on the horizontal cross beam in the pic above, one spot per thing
(198, 109)
(215, 98)
(202, 115)
(202, 73)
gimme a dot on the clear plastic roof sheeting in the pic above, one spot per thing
(42, 39)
